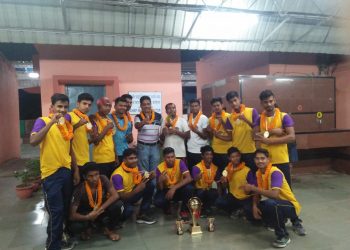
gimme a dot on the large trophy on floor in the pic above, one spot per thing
(195, 205)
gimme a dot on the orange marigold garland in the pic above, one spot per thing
(94, 204)
(103, 123)
(235, 115)
(136, 175)
(272, 125)
(212, 121)
(66, 131)
(172, 175)
(264, 183)
(230, 169)
(88, 126)
(152, 117)
(125, 118)
(171, 123)
(194, 124)
(129, 116)
(208, 179)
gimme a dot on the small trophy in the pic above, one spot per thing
(179, 227)
(211, 226)
(195, 206)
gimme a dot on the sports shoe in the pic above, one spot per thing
(144, 219)
(281, 242)
(237, 214)
(67, 245)
(299, 229)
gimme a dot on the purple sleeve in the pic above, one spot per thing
(157, 173)
(183, 167)
(251, 179)
(255, 118)
(117, 182)
(38, 125)
(287, 121)
(257, 123)
(228, 124)
(276, 179)
(195, 171)
(68, 117)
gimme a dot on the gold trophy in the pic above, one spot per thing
(179, 227)
(195, 206)
(211, 225)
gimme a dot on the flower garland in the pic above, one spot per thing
(129, 116)
(103, 123)
(85, 117)
(230, 169)
(212, 121)
(235, 115)
(272, 125)
(208, 179)
(125, 118)
(171, 176)
(264, 184)
(136, 176)
(190, 118)
(66, 134)
(92, 203)
(152, 117)
(173, 122)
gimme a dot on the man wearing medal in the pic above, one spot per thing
(103, 130)
(82, 128)
(54, 134)
(95, 203)
(273, 131)
(175, 131)
(197, 123)
(243, 120)
(123, 127)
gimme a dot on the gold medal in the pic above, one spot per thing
(224, 173)
(89, 125)
(61, 121)
(146, 175)
(266, 134)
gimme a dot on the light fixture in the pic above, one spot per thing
(284, 80)
(258, 76)
(34, 75)
(223, 25)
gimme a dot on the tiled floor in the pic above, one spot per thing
(325, 199)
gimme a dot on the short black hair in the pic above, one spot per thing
(127, 96)
(145, 97)
(265, 94)
(59, 97)
(216, 99)
(119, 99)
(206, 148)
(129, 151)
(168, 150)
(195, 101)
(232, 94)
(232, 150)
(262, 151)
(168, 104)
(88, 167)
(85, 97)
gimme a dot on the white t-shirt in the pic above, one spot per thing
(175, 141)
(195, 143)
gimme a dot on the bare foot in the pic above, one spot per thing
(112, 235)
(86, 235)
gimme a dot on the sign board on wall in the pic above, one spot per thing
(156, 98)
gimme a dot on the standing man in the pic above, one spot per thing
(197, 123)
(274, 130)
(54, 134)
(128, 99)
(123, 127)
(175, 131)
(148, 123)
(103, 130)
(82, 128)
(243, 120)
(221, 133)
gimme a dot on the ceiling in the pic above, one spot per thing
(308, 26)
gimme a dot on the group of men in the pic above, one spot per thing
(235, 161)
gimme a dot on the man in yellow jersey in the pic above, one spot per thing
(204, 174)
(220, 131)
(173, 183)
(95, 203)
(54, 134)
(273, 201)
(274, 130)
(82, 128)
(236, 202)
(102, 137)
(243, 120)
(134, 186)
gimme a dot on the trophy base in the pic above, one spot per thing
(195, 230)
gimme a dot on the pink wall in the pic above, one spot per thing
(9, 108)
(342, 74)
(121, 77)
(289, 69)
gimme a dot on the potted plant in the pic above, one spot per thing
(25, 189)
(33, 167)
